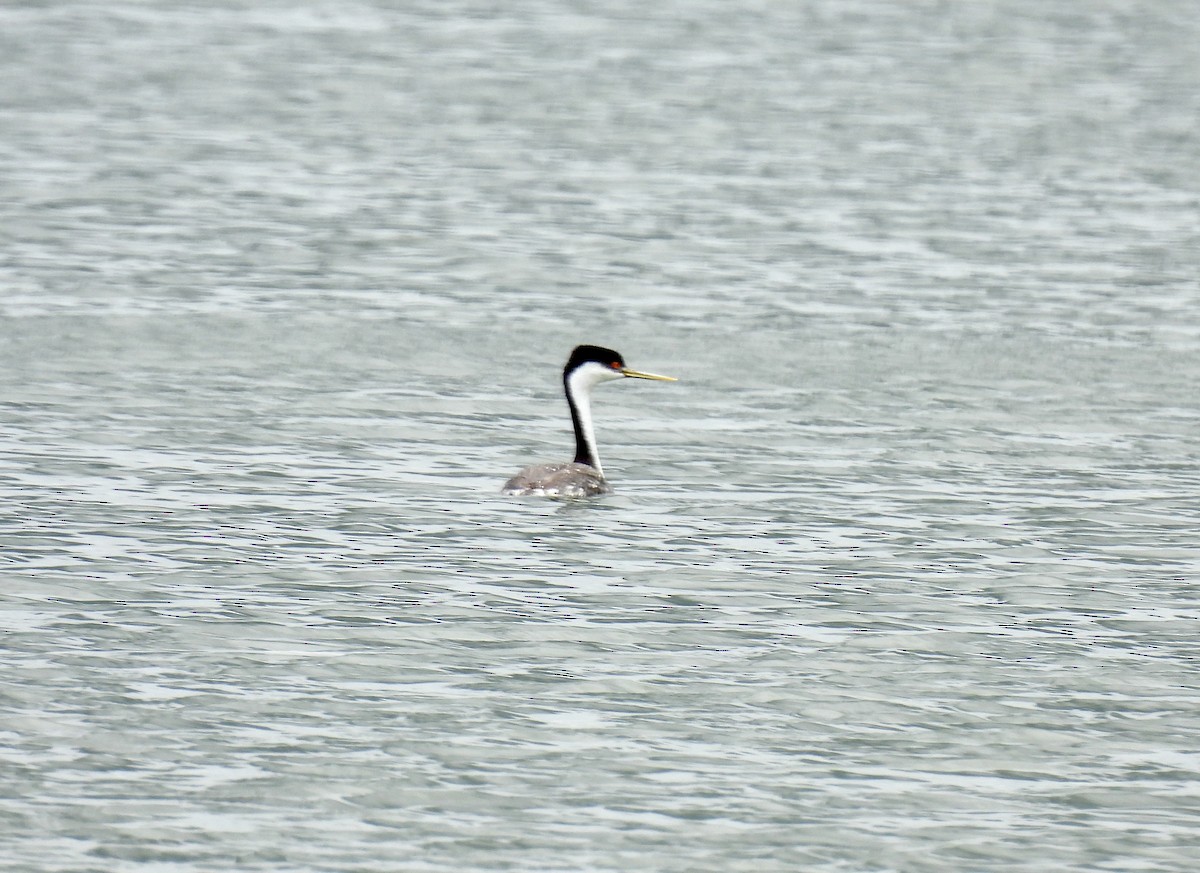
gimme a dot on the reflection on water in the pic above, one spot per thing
(898, 576)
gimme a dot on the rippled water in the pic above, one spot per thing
(900, 576)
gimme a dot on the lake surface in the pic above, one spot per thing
(900, 576)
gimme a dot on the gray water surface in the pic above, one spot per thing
(900, 576)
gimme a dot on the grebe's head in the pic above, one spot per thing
(591, 365)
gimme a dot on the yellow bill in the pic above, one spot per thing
(634, 374)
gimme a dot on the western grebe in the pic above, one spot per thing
(587, 367)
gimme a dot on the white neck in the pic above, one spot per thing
(579, 396)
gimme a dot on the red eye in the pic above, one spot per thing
(616, 365)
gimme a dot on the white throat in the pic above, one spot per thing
(579, 395)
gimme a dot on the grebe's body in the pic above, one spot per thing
(587, 367)
(565, 479)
